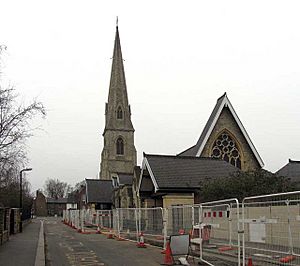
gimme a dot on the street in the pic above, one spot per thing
(65, 246)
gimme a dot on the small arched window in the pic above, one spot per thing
(119, 113)
(120, 146)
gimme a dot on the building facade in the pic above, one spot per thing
(224, 137)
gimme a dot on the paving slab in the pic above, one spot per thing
(21, 248)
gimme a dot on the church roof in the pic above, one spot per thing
(174, 172)
(117, 95)
(222, 102)
(57, 201)
(98, 191)
(125, 179)
(290, 170)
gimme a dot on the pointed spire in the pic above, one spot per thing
(117, 95)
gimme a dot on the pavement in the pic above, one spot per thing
(26, 248)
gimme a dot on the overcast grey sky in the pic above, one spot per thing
(180, 56)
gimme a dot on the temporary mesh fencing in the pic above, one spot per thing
(263, 229)
(219, 232)
(271, 225)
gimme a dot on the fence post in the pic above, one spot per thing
(118, 222)
(230, 225)
(200, 232)
(165, 226)
(82, 220)
(290, 238)
(110, 216)
(136, 224)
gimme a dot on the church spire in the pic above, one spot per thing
(117, 96)
(119, 153)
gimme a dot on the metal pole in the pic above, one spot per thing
(21, 201)
(21, 196)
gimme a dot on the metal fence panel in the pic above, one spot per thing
(271, 225)
(181, 219)
(217, 233)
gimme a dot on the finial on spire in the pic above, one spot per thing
(117, 22)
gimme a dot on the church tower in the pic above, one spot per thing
(119, 153)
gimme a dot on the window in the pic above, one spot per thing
(115, 181)
(119, 113)
(225, 148)
(120, 146)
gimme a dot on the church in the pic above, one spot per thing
(223, 148)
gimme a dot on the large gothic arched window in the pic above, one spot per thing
(120, 146)
(226, 148)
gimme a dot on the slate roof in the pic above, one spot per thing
(192, 151)
(98, 191)
(222, 102)
(186, 172)
(125, 179)
(57, 201)
(291, 170)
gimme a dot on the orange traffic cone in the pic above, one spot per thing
(250, 262)
(110, 235)
(168, 260)
(141, 243)
(98, 230)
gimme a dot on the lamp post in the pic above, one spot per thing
(21, 196)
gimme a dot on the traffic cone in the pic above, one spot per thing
(98, 230)
(141, 243)
(168, 260)
(110, 235)
(250, 262)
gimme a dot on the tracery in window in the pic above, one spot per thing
(120, 146)
(119, 113)
(225, 148)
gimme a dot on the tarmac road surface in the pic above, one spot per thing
(65, 246)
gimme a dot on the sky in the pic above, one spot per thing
(180, 56)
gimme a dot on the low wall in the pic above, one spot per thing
(9, 223)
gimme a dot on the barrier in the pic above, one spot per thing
(181, 219)
(218, 232)
(105, 219)
(263, 229)
(151, 222)
(126, 226)
(271, 225)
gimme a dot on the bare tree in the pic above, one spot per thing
(15, 129)
(54, 188)
(15, 126)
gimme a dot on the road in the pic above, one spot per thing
(65, 246)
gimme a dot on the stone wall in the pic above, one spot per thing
(178, 199)
(4, 224)
(15, 221)
(227, 122)
(111, 163)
